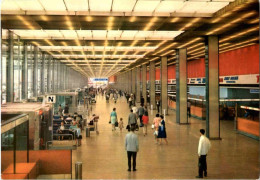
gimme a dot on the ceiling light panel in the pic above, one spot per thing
(51, 5)
(54, 33)
(99, 34)
(69, 34)
(84, 34)
(191, 7)
(169, 6)
(96, 56)
(212, 7)
(123, 5)
(9, 5)
(28, 5)
(100, 5)
(146, 6)
(77, 5)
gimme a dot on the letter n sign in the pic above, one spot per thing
(51, 99)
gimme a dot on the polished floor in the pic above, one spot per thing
(104, 157)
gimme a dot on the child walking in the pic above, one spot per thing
(121, 124)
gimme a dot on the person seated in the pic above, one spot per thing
(69, 118)
(63, 120)
(247, 114)
(73, 128)
(61, 130)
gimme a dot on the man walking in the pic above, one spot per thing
(140, 114)
(204, 146)
(132, 147)
(132, 120)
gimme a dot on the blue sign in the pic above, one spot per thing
(100, 79)
(254, 91)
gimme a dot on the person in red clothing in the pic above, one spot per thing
(145, 119)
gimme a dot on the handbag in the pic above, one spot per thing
(136, 127)
(109, 121)
(116, 124)
(155, 133)
(152, 126)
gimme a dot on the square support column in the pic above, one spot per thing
(212, 87)
(25, 73)
(152, 84)
(134, 81)
(181, 86)
(164, 85)
(10, 70)
(129, 73)
(53, 76)
(35, 71)
(138, 80)
(49, 75)
(144, 82)
(43, 74)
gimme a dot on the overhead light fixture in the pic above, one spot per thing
(150, 24)
(50, 43)
(110, 22)
(27, 23)
(89, 18)
(190, 24)
(132, 19)
(190, 42)
(44, 18)
(175, 19)
(68, 22)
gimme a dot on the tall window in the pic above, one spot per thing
(4, 57)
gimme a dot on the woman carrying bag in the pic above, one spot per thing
(162, 131)
(113, 119)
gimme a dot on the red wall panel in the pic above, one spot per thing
(157, 74)
(172, 72)
(240, 61)
(236, 62)
(196, 68)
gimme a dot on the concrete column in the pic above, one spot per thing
(49, 75)
(133, 81)
(164, 85)
(53, 76)
(10, 70)
(181, 86)
(212, 87)
(138, 80)
(25, 73)
(35, 71)
(152, 84)
(144, 82)
(58, 76)
(130, 81)
(43, 74)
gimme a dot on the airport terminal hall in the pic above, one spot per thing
(130, 89)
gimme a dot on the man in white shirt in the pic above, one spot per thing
(204, 146)
(132, 147)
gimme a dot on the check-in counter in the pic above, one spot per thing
(247, 121)
(248, 127)
(197, 108)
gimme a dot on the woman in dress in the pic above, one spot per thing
(162, 131)
(113, 118)
(145, 119)
(156, 122)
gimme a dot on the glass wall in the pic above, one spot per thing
(30, 52)
(18, 57)
(4, 58)
(14, 139)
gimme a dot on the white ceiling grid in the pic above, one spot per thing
(116, 7)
